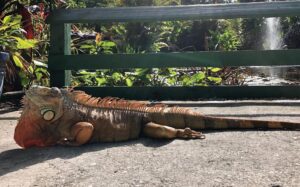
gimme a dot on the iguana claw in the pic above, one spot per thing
(188, 133)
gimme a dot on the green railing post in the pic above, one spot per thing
(60, 44)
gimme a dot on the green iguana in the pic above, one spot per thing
(63, 116)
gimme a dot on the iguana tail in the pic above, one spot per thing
(181, 118)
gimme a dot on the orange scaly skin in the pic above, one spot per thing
(61, 116)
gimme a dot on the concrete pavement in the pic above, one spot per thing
(229, 158)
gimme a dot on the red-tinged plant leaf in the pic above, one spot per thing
(26, 21)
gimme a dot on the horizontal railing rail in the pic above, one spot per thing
(61, 61)
(195, 92)
(182, 59)
(168, 13)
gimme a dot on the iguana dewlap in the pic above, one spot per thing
(61, 116)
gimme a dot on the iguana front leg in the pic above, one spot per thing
(161, 131)
(80, 134)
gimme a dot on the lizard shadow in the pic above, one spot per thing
(16, 159)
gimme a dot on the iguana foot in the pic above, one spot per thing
(188, 133)
(161, 131)
(67, 142)
(80, 134)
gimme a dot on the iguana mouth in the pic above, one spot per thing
(32, 143)
(27, 135)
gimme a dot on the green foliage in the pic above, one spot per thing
(251, 33)
(149, 77)
(166, 36)
(196, 79)
(169, 36)
(226, 37)
(13, 41)
(11, 35)
(98, 47)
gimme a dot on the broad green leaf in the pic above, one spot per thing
(6, 20)
(3, 27)
(101, 81)
(84, 72)
(86, 46)
(42, 71)
(16, 22)
(116, 76)
(24, 79)
(38, 76)
(30, 69)
(217, 80)
(161, 44)
(198, 76)
(214, 70)
(186, 81)
(24, 43)
(172, 71)
(194, 79)
(129, 82)
(107, 44)
(171, 81)
(142, 71)
(18, 62)
(107, 52)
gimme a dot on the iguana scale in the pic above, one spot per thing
(63, 116)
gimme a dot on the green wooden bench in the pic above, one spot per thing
(61, 61)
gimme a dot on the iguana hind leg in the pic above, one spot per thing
(154, 130)
(80, 134)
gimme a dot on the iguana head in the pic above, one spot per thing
(42, 107)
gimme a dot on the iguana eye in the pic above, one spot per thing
(48, 114)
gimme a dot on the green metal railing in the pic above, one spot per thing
(61, 61)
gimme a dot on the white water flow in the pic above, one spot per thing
(272, 41)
